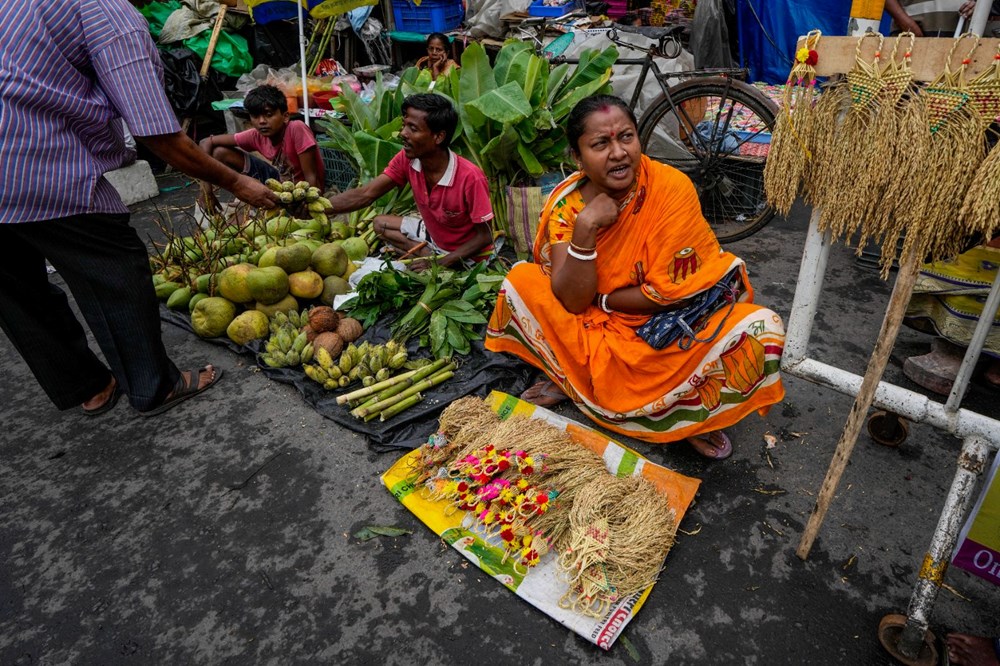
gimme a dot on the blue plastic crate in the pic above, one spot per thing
(430, 16)
(539, 9)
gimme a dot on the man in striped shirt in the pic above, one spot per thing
(70, 71)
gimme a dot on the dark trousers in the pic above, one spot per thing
(106, 267)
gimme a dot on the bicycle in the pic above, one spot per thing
(712, 125)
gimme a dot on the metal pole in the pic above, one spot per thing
(975, 346)
(812, 270)
(971, 462)
(980, 15)
(302, 59)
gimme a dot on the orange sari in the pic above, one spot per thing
(661, 243)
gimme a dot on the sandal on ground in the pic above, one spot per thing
(109, 402)
(713, 445)
(544, 393)
(186, 388)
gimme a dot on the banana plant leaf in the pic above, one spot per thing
(504, 105)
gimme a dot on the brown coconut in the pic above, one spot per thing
(323, 318)
(349, 329)
(310, 333)
(331, 342)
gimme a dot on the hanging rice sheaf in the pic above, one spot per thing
(981, 208)
(789, 155)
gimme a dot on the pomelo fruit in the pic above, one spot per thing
(355, 248)
(232, 283)
(333, 286)
(248, 326)
(329, 259)
(305, 284)
(284, 305)
(293, 258)
(212, 315)
(268, 285)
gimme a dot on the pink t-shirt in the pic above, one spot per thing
(297, 139)
(459, 200)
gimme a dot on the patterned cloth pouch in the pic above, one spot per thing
(683, 324)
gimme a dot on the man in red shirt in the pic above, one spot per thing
(451, 192)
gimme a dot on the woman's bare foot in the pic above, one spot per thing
(714, 445)
(967, 650)
(544, 393)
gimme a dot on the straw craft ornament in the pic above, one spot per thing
(547, 493)
(621, 531)
(981, 209)
(889, 163)
(789, 155)
(844, 144)
(955, 149)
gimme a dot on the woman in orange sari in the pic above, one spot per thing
(619, 241)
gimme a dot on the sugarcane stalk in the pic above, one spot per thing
(388, 394)
(363, 410)
(422, 385)
(400, 406)
(374, 388)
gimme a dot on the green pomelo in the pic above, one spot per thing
(284, 305)
(268, 285)
(312, 244)
(212, 315)
(248, 326)
(279, 227)
(305, 284)
(233, 283)
(329, 259)
(293, 258)
(267, 257)
(355, 248)
(179, 299)
(333, 286)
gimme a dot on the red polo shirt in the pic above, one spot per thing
(459, 200)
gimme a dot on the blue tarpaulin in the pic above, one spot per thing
(769, 30)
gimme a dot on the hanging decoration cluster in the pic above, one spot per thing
(886, 159)
(526, 485)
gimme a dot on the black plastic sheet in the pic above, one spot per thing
(478, 373)
(187, 92)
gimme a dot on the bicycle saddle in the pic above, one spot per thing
(653, 32)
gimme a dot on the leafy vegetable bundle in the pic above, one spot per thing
(445, 309)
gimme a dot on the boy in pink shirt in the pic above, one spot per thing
(451, 193)
(289, 147)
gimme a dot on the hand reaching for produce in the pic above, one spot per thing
(254, 192)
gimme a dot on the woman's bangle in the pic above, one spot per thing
(581, 257)
(582, 250)
(602, 302)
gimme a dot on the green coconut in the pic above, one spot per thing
(293, 258)
(356, 248)
(284, 305)
(333, 286)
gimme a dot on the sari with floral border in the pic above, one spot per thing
(661, 243)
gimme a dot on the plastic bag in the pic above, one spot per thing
(710, 36)
(231, 57)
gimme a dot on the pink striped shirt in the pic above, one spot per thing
(69, 70)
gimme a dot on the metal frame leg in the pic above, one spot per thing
(971, 463)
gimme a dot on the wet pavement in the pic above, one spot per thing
(220, 532)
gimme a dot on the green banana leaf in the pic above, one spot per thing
(504, 105)
(376, 154)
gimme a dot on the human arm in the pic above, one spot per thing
(360, 197)
(309, 161)
(902, 19)
(180, 152)
(221, 140)
(574, 281)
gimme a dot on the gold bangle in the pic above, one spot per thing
(582, 250)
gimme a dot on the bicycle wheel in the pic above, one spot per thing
(718, 132)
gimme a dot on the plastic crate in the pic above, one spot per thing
(340, 171)
(537, 8)
(430, 16)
